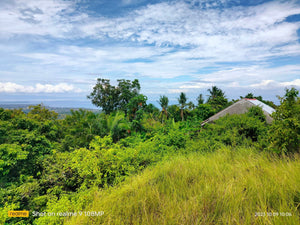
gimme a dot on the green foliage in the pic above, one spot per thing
(229, 186)
(105, 95)
(40, 113)
(81, 127)
(58, 165)
(204, 111)
(177, 139)
(5, 114)
(137, 103)
(111, 98)
(175, 112)
(236, 130)
(164, 102)
(284, 134)
(10, 156)
(182, 102)
(136, 108)
(200, 99)
(150, 108)
(127, 90)
(118, 126)
(257, 112)
(217, 98)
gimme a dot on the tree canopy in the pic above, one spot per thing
(111, 98)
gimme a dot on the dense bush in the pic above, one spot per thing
(284, 135)
(235, 130)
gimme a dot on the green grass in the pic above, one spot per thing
(224, 187)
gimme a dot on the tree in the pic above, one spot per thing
(215, 92)
(111, 98)
(118, 126)
(40, 113)
(150, 108)
(284, 134)
(250, 96)
(174, 112)
(136, 108)
(190, 105)
(136, 104)
(164, 102)
(182, 101)
(105, 95)
(204, 111)
(217, 98)
(200, 99)
(127, 90)
(81, 127)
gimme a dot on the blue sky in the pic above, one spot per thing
(52, 51)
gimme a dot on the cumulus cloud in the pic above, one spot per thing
(9, 87)
(271, 84)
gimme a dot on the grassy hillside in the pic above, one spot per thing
(229, 186)
(146, 166)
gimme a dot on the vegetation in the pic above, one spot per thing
(111, 98)
(224, 187)
(143, 165)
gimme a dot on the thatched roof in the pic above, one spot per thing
(242, 106)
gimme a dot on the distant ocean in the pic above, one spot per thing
(64, 104)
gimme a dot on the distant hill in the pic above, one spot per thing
(62, 111)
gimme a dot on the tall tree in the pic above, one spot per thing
(284, 134)
(104, 95)
(216, 98)
(127, 90)
(215, 92)
(200, 99)
(164, 102)
(182, 102)
(111, 98)
(137, 103)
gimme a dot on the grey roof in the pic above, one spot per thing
(264, 106)
(242, 106)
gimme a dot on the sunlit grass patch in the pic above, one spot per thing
(230, 186)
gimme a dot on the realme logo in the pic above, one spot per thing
(18, 213)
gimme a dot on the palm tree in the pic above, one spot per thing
(214, 93)
(117, 125)
(182, 101)
(190, 105)
(163, 102)
(200, 99)
(217, 98)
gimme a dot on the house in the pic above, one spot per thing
(242, 106)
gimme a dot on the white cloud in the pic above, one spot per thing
(51, 17)
(220, 35)
(258, 77)
(213, 30)
(272, 84)
(209, 36)
(213, 35)
(9, 87)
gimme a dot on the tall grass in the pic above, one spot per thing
(225, 187)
